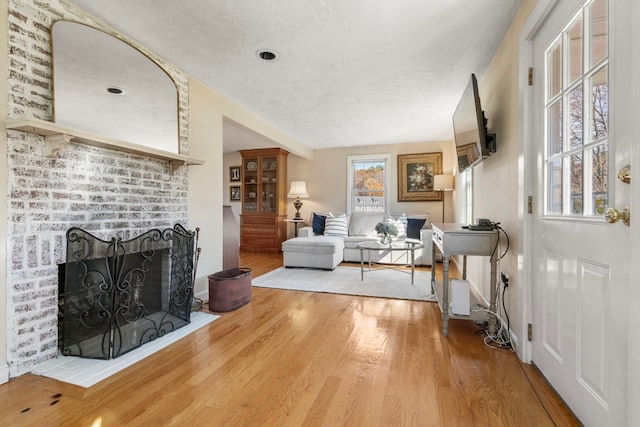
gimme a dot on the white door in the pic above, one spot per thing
(584, 131)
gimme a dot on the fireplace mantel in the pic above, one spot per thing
(57, 136)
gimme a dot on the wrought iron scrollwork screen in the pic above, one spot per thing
(119, 295)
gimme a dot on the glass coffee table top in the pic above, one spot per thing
(398, 245)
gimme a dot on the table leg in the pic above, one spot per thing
(433, 267)
(413, 263)
(361, 265)
(445, 296)
(494, 295)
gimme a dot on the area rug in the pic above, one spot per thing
(378, 282)
(87, 372)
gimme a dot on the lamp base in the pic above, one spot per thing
(297, 204)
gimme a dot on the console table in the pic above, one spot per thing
(452, 239)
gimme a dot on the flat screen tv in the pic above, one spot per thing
(473, 143)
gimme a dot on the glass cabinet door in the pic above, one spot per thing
(251, 185)
(269, 184)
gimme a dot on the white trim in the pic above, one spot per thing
(633, 368)
(526, 168)
(4, 374)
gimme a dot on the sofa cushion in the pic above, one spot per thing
(414, 225)
(313, 245)
(318, 222)
(364, 224)
(352, 241)
(336, 225)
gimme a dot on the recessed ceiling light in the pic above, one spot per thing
(267, 55)
(115, 90)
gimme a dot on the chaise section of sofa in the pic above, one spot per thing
(361, 227)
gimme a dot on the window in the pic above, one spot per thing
(368, 184)
(467, 176)
(577, 116)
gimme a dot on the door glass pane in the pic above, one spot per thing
(554, 191)
(600, 163)
(599, 31)
(575, 50)
(576, 112)
(555, 128)
(576, 148)
(554, 68)
(575, 182)
(600, 105)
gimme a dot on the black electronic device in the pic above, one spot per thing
(482, 225)
(473, 142)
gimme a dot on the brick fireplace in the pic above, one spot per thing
(106, 192)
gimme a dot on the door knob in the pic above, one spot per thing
(613, 215)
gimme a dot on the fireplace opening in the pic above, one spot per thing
(114, 296)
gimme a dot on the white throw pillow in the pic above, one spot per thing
(400, 223)
(336, 226)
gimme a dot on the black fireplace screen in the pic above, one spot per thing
(119, 295)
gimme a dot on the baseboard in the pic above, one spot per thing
(4, 374)
(203, 295)
(514, 342)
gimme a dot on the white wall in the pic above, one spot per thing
(209, 184)
(496, 179)
(326, 177)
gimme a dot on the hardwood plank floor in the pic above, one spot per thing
(305, 359)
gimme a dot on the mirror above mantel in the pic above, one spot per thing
(142, 120)
(104, 86)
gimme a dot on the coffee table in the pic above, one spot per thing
(400, 245)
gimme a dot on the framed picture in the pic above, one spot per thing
(234, 193)
(467, 155)
(415, 177)
(234, 173)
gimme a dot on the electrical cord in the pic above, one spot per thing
(496, 225)
(498, 337)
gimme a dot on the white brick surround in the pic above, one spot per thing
(109, 193)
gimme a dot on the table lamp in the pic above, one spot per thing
(298, 191)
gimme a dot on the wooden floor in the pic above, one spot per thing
(305, 359)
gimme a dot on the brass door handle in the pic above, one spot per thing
(613, 215)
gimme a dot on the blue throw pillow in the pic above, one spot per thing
(414, 225)
(318, 223)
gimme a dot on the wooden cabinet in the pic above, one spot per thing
(264, 198)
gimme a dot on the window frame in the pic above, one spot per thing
(351, 160)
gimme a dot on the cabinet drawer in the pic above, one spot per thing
(259, 241)
(258, 220)
(258, 231)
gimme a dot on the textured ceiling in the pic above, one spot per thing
(348, 72)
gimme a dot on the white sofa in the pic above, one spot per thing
(312, 249)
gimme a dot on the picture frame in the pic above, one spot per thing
(234, 173)
(468, 154)
(235, 193)
(415, 177)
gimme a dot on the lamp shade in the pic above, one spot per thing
(298, 189)
(443, 182)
